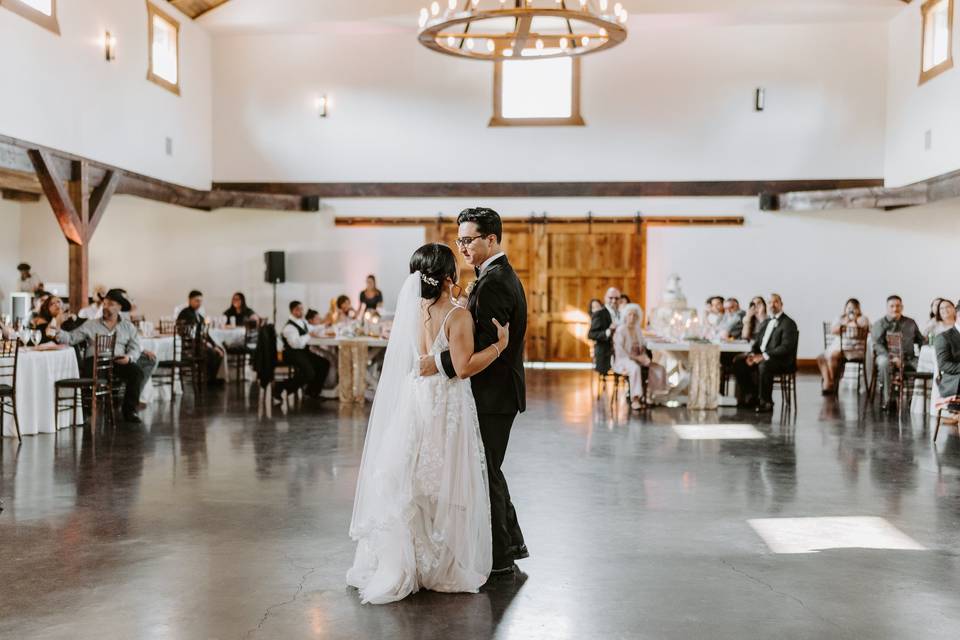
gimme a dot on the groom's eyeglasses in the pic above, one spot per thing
(468, 240)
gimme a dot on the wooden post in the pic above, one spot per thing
(78, 212)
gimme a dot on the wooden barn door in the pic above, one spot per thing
(577, 261)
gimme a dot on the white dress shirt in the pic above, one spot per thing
(293, 337)
(769, 332)
(489, 261)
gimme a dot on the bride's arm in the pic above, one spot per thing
(465, 361)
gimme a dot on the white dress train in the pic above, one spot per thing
(422, 512)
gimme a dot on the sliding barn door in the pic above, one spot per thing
(574, 263)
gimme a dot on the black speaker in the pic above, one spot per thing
(274, 267)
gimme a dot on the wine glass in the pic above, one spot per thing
(24, 335)
(37, 336)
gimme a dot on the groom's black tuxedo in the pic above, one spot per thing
(498, 293)
(500, 392)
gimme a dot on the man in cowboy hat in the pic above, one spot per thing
(127, 351)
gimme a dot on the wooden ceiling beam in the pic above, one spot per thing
(17, 172)
(67, 216)
(16, 195)
(715, 188)
(942, 187)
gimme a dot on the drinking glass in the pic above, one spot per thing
(37, 337)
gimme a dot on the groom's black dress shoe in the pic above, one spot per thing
(504, 571)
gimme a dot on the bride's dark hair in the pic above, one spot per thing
(435, 262)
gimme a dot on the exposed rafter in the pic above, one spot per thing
(196, 8)
(17, 173)
(942, 187)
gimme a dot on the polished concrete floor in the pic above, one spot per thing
(218, 521)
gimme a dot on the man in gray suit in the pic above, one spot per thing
(947, 345)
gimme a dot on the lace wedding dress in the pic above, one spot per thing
(421, 515)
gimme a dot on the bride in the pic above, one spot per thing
(421, 515)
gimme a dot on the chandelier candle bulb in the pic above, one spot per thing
(469, 43)
(434, 8)
(490, 46)
(452, 4)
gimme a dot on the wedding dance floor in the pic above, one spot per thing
(214, 522)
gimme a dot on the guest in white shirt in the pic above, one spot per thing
(830, 360)
(310, 368)
(95, 309)
(28, 283)
(713, 316)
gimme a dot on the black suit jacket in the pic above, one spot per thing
(501, 387)
(782, 346)
(602, 343)
(947, 345)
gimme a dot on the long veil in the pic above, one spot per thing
(381, 487)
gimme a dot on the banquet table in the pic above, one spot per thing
(702, 362)
(162, 346)
(37, 371)
(352, 358)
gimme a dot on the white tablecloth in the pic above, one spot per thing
(37, 371)
(228, 337)
(162, 346)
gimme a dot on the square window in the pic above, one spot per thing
(937, 35)
(537, 92)
(41, 12)
(164, 49)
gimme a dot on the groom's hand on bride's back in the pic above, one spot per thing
(428, 366)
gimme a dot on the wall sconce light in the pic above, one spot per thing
(109, 46)
(322, 104)
(760, 99)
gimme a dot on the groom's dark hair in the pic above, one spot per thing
(487, 221)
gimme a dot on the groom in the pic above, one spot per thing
(499, 390)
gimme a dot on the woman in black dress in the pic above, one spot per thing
(51, 318)
(239, 310)
(371, 298)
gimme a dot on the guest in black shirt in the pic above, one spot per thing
(239, 310)
(191, 315)
(371, 298)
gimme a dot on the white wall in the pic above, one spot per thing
(60, 92)
(160, 252)
(673, 102)
(9, 251)
(913, 110)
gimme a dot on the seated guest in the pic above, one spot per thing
(774, 351)
(830, 360)
(51, 318)
(756, 316)
(631, 358)
(340, 311)
(713, 315)
(310, 368)
(603, 323)
(947, 345)
(731, 325)
(932, 327)
(127, 350)
(371, 298)
(28, 282)
(894, 322)
(594, 306)
(93, 310)
(192, 315)
(239, 311)
(315, 320)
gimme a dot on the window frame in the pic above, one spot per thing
(48, 22)
(575, 119)
(936, 70)
(172, 87)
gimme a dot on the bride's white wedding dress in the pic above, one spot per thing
(421, 515)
